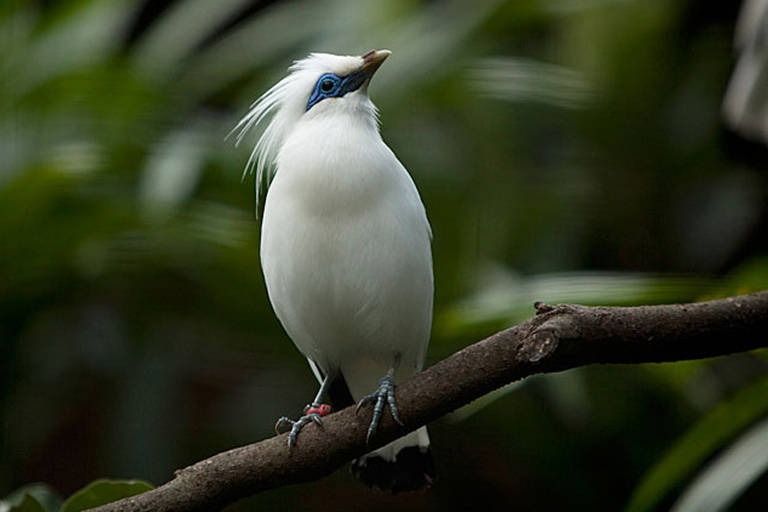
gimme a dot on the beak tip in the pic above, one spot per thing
(373, 59)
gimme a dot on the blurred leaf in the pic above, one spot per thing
(504, 298)
(126, 236)
(695, 446)
(231, 57)
(83, 35)
(172, 172)
(729, 475)
(27, 503)
(474, 407)
(751, 276)
(179, 31)
(31, 498)
(102, 492)
(527, 80)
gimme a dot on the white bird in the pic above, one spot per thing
(345, 250)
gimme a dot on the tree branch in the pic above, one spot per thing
(557, 338)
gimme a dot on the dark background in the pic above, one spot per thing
(566, 151)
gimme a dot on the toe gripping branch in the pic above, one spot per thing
(384, 394)
(312, 413)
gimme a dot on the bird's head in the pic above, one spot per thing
(320, 85)
(334, 77)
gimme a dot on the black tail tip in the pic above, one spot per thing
(412, 470)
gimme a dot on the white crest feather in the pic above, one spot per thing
(265, 151)
(284, 103)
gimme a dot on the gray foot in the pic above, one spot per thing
(312, 414)
(384, 394)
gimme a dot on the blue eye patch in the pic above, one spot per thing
(330, 85)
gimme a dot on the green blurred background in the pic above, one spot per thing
(566, 151)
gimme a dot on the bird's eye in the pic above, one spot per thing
(327, 85)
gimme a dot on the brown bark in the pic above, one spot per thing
(557, 338)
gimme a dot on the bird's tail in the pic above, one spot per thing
(403, 465)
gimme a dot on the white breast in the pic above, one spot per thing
(345, 247)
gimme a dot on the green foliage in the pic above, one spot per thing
(727, 477)
(566, 152)
(102, 492)
(31, 498)
(26, 504)
(41, 498)
(711, 433)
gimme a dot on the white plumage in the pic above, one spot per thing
(345, 243)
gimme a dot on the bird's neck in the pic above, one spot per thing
(335, 163)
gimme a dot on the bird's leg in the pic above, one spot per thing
(384, 394)
(312, 412)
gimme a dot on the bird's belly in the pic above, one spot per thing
(348, 286)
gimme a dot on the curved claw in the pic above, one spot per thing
(316, 419)
(385, 394)
(282, 422)
(312, 414)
